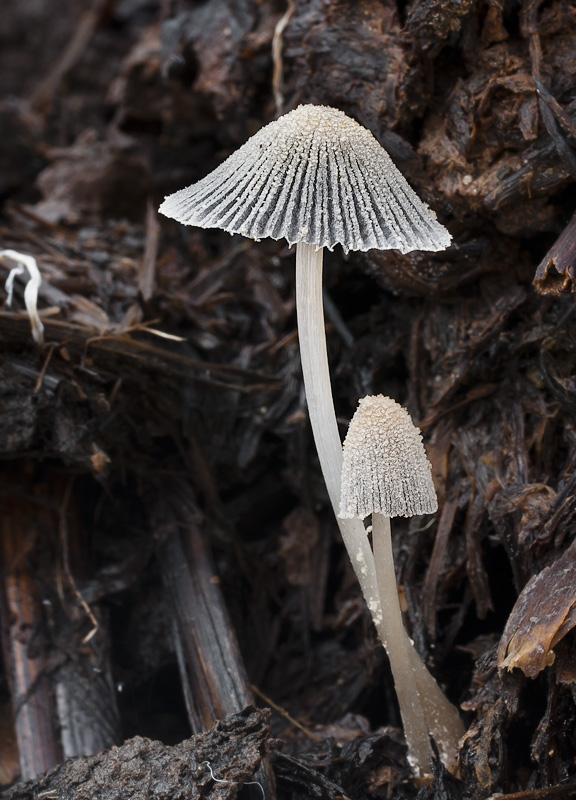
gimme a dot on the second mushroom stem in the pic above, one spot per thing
(398, 647)
(442, 719)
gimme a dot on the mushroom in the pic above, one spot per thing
(316, 178)
(385, 473)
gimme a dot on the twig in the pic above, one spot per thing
(435, 566)
(41, 99)
(277, 81)
(63, 530)
(285, 714)
(148, 264)
(42, 375)
(568, 790)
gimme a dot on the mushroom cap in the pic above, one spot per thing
(385, 469)
(316, 176)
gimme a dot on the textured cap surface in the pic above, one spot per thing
(385, 468)
(314, 176)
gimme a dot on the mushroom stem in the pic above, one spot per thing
(441, 717)
(314, 357)
(399, 649)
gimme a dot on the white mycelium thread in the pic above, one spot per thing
(314, 176)
(385, 469)
(30, 292)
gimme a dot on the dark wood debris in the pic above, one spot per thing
(544, 613)
(213, 765)
(155, 451)
(556, 273)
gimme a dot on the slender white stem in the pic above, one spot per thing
(442, 718)
(318, 388)
(399, 647)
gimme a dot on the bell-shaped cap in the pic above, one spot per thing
(314, 176)
(385, 469)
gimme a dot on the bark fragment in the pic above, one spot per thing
(210, 766)
(556, 273)
(543, 615)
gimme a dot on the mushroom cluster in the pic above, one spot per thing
(317, 178)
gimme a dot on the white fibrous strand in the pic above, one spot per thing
(385, 469)
(314, 176)
(26, 262)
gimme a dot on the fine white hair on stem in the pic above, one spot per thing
(24, 262)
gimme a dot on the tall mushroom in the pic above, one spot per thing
(316, 178)
(385, 473)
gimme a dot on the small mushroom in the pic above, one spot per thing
(316, 178)
(385, 473)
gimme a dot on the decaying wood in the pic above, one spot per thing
(56, 651)
(566, 790)
(544, 613)
(25, 637)
(209, 766)
(85, 692)
(44, 93)
(556, 273)
(213, 678)
(214, 681)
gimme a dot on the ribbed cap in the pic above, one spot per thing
(314, 176)
(385, 468)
